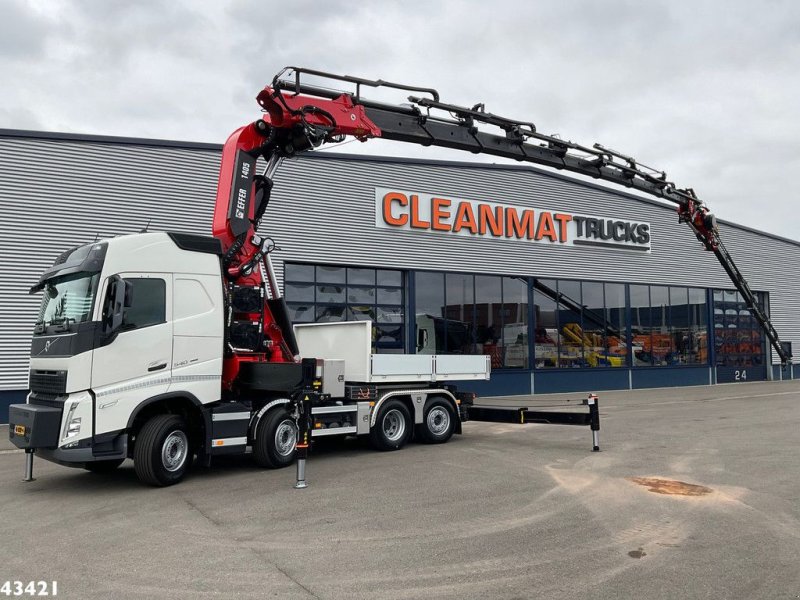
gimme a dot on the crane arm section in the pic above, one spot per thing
(301, 116)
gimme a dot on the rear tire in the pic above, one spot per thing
(103, 466)
(392, 426)
(438, 422)
(276, 440)
(162, 453)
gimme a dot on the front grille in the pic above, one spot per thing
(48, 382)
(42, 399)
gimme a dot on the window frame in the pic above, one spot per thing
(408, 290)
(345, 306)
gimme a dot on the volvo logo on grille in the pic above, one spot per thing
(46, 348)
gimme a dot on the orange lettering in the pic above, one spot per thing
(520, 229)
(493, 219)
(416, 222)
(465, 218)
(546, 227)
(562, 226)
(388, 217)
(437, 214)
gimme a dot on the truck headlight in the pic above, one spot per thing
(74, 427)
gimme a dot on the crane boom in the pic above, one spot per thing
(300, 116)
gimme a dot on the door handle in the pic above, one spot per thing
(156, 367)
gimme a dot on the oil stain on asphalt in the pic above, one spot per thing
(638, 553)
(670, 487)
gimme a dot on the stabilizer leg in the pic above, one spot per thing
(29, 465)
(594, 416)
(303, 435)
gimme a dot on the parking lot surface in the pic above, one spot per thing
(503, 511)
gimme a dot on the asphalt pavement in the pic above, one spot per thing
(695, 494)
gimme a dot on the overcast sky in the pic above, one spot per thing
(708, 91)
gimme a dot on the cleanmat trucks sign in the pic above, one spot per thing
(456, 216)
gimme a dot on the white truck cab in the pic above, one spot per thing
(127, 362)
(124, 323)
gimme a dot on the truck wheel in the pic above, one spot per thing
(276, 438)
(438, 422)
(162, 453)
(103, 466)
(392, 427)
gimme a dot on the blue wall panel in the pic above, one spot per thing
(669, 377)
(502, 383)
(10, 397)
(737, 374)
(589, 380)
(781, 374)
(778, 374)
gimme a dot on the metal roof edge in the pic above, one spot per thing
(106, 139)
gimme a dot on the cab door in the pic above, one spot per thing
(134, 363)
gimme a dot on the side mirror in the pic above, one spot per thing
(128, 294)
(117, 299)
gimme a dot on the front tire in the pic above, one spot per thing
(438, 422)
(276, 440)
(392, 426)
(162, 453)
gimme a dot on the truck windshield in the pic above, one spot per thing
(68, 299)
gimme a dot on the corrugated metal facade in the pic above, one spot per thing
(57, 193)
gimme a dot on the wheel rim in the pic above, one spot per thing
(174, 451)
(285, 438)
(394, 425)
(438, 420)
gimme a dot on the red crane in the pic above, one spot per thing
(299, 117)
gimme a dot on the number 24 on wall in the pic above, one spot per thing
(740, 375)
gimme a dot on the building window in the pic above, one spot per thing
(431, 324)
(738, 339)
(641, 343)
(489, 317)
(515, 322)
(579, 324)
(326, 293)
(690, 325)
(616, 324)
(546, 336)
(459, 313)
(576, 324)
(668, 326)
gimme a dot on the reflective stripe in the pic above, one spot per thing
(238, 416)
(234, 441)
(153, 382)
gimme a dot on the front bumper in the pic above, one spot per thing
(32, 426)
(60, 430)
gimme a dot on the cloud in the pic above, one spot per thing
(23, 32)
(706, 90)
